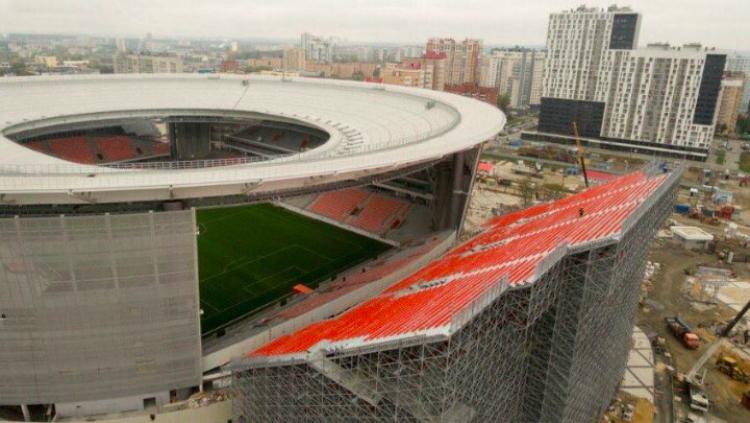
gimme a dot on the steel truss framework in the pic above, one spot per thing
(551, 351)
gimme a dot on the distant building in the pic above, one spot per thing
(741, 63)
(410, 75)
(137, 63)
(46, 61)
(317, 48)
(234, 47)
(294, 59)
(462, 59)
(230, 66)
(515, 73)
(341, 70)
(732, 89)
(265, 62)
(486, 94)
(122, 45)
(433, 65)
(619, 94)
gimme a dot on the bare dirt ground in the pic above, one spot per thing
(668, 293)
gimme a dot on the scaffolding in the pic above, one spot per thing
(553, 350)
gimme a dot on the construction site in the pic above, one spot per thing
(697, 282)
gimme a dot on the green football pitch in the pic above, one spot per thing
(251, 256)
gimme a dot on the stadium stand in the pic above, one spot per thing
(373, 212)
(39, 146)
(380, 213)
(161, 148)
(512, 246)
(116, 148)
(74, 149)
(338, 205)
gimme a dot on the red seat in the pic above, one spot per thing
(74, 149)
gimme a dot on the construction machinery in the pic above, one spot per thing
(581, 157)
(682, 331)
(729, 366)
(718, 343)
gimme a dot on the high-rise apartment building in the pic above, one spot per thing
(317, 48)
(732, 90)
(741, 63)
(619, 94)
(516, 73)
(462, 59)
(137, 63)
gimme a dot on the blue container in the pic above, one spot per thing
(682, 208)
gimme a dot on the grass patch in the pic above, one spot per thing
(745, 162)
(721, 157)
(251, 256)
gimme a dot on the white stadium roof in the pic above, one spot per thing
(373, 129)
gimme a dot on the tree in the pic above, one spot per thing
(743, 124)
(503, 102)
(358, 76)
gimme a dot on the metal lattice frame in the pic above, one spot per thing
(554, 350)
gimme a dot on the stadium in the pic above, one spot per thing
(162, 234)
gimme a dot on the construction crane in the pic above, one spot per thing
(711, 350)
(579, 148)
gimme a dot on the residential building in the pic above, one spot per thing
(294, 59)
(462, 59)
(122, 45)
(741, 63)
(317, 48)
(341, 70)
(137, 63)
(516, 73)
(732, 89)
(406, 75)
(433, 65)
(274, 63)
(486, 94)
(230, 66)
(618, 94)
(46, 61)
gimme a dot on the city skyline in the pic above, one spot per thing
(497, 23)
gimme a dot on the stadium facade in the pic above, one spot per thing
(528, 321)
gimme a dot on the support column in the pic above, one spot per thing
(25, 411)
(458, 187)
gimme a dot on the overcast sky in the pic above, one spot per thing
(717, 23)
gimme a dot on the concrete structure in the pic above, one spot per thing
(692, 237)
(317, 48)
(652, 97)
(737, 62)
(732, 92)
(136, 63)
(462, 59)
(515, 73)
(530, 320)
